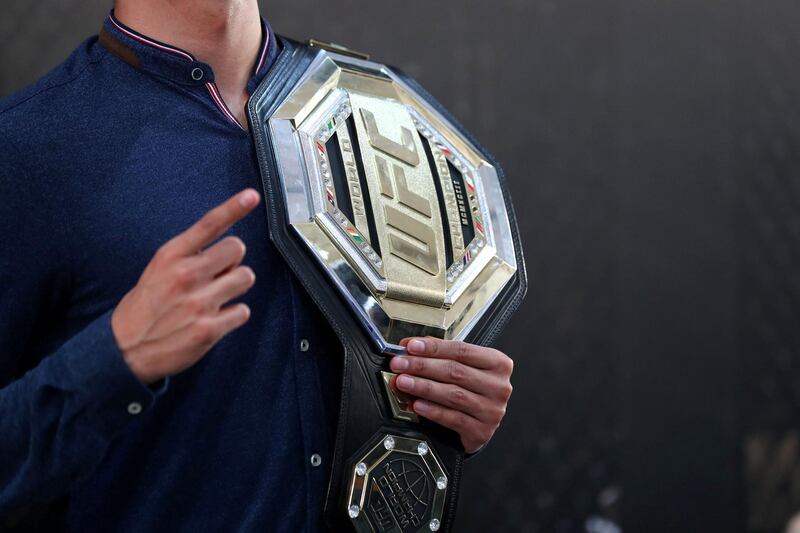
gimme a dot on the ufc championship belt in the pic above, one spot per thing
(398, 223)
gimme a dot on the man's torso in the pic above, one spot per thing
(127, 159)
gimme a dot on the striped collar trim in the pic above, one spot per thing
(266, 39)
(181, 66)
(267, 42)
(145, 40)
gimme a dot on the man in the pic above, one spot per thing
(150, 380)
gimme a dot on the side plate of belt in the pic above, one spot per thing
(398, 223)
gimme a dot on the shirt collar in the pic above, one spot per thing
(173, 63)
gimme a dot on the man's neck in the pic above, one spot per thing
(226, 34)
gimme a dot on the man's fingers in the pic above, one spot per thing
(451, 396)
(465, 353)
(227, 287)
(447, 371)
(472, 431)
(221, 257)
(231, 317)
(212, 225)
(191, 342)
(204, 300)
(208, 330)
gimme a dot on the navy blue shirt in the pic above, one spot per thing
(107, 157)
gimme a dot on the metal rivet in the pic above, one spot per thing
(197, 74)
(304, 345)
(361, 469)
(354, 511)
(134, 408)
(316, 460)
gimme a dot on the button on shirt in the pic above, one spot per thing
(114, 152)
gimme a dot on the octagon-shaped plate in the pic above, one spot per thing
(404, 214)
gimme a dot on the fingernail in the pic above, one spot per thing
(416, 345)
(399, 363)
(405, 382)
(248, 199)
(421, 406)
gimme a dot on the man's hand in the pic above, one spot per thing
(461, 386)
(175, 315)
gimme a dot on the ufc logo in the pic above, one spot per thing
(413, 241)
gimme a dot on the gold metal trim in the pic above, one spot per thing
(399, 402)
(337, 48)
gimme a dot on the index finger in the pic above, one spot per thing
(463, 352)
(213, 224)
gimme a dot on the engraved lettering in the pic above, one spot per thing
(384, 178)
(416, 242)
(405, 151)
(351, 171)
(408, 197)
(398, 499)
(451, 201)
(381, 513)
(462, 205)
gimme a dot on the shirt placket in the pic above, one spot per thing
(307, 348)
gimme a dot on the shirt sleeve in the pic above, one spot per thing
(58, 419)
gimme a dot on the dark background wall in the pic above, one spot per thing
(652, 148)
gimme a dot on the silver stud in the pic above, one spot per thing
(441, 483)
(354, 511)
(422, 448)
(388, 443)
(361, 469)
(434, 524)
